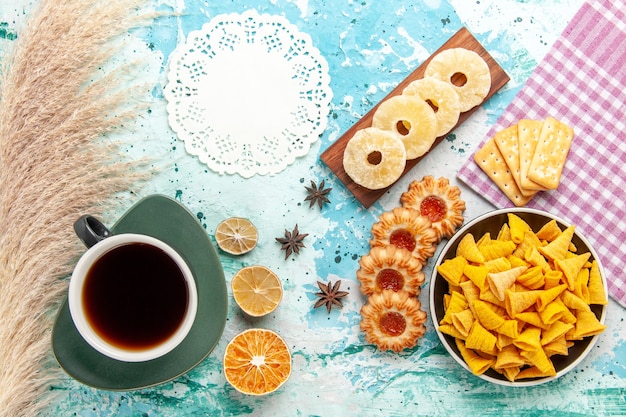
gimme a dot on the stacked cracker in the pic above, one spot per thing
(526, 158)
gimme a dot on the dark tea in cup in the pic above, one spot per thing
(135, 296)
(132, 297)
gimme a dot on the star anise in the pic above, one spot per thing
(292, 242)
(329, 295)
(317, 194)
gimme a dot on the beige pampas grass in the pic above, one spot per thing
(57, 108)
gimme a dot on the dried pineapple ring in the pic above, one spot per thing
(442, 96)
(411, 119)
(374, 158)
(454, 61)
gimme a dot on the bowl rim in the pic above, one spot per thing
(435, 275)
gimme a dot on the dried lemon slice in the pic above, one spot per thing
(257, 362)
(374, 158)
(459, 63)
(257, 290)
(236, 235)
(411, 119)
(442, 96)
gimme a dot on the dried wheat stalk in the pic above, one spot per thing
(57, 109)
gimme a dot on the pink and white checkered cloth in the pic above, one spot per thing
(581, 81)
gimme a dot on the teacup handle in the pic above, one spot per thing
(90, 230)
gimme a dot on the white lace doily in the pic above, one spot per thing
(248, 93)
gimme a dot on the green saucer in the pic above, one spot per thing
(165, 219)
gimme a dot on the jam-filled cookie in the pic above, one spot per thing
(405, 228)
(393, 320)
(438, 201)
(390, 268)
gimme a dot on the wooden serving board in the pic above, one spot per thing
(333, 156)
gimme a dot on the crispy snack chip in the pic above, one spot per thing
(477, 274)
(480, 339)
(463, 321)
(452, 270)
(558, 248)
(587, 324)
(597, 294)
(487, 316)
(517, 300)
(549, 231)
(499, 282)
(476, 363)
(571, 267)
(497, 249)
(469, 250)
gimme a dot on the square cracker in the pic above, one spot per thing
(551, 152)
(528, 132)
(490, 160)
(508, 145)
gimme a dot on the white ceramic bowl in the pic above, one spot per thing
(491, 222)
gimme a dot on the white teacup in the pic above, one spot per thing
(132, 297)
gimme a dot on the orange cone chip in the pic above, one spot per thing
(558, 248)
(468, 249)
(540, 360)
(549, 231)
(462, 321)
(597, 294)
(518, 227)
(509, 357)
(587, 324)
(553, 312)
(509, 328)
(477, 274)
(532, 278)
(518, 301)
(487, 316)
(452, 269)
(480, 339)
(497, 249)
(555, 331)
(499, 282)
(549, 295)
(571, 267)
(477, 364)
(573, 302)
(532, 318)
(529, 339)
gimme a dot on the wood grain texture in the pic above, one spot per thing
(333, 155)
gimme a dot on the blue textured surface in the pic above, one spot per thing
(370, 46)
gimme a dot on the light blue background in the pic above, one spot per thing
(370, 46)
